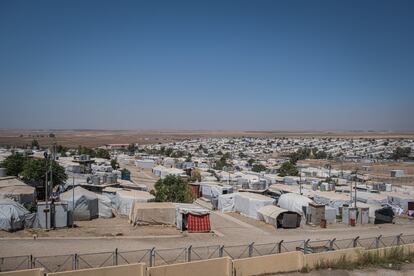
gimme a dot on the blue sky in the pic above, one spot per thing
(253, 65)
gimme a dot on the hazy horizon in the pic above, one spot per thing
(207, 65)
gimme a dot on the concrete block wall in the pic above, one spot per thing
(217, 267)
(124, 270)
(283, 262)
(26, 272)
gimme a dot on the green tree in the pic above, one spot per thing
(300, 154)
(114, 164)
(189, 156)
(168, 152)
(34, 144)
(102, 153)
(400, 153)
(87, 151)
(34, 170)
(288, 168)
(172, 189)
(62, 150)
(258, 168)
(221, 163)
(131, 148)
(251, 161)
(14, 164)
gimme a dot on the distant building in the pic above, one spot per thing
(397, 173)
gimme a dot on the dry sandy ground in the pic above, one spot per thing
(113, 227)
(93, 138)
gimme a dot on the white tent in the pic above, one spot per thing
(125, 198)
(12, 215)
(248, 203)
(279, 217)
(226, 203)
(11, 187)
(153, 213)
(211, 190)
(86, 203)
(294, 202)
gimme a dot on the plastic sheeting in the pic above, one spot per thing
(125, 198)
(248, 203)
(279, 217)
(294, 202)
(182, 209)
(13, 188)
(226, 203)
(213, 191)
(153, 213)
(330, 214)
(335, 203)
(12, 215)
(86, 203)
(270, 213)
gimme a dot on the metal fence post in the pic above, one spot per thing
(279, 247)
(377, 240)
(221, 250)
(355, 243)
(76, 262)
(251, 249)
(31, 265)
(152, 257)
(399, 239)
(189, 253)
(115, 261)
(331, 244)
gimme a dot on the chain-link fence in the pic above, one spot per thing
(156, 257)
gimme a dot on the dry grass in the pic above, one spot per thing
(393, 258)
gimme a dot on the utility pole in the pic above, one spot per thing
(356, 178)
(73, 199)
(46, 210)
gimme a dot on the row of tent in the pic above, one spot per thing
(260, 207)
(89, 205)
(86, 205)
(290, 210)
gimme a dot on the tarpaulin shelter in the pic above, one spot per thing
(212, 190)
(86, 203)
(226, 203)
(248, 203)
(192, 218)
(125, 198)
(198, 223)
(294, 202)
(153, 213)
(12, 215)
(11, 187)
(279, 217)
